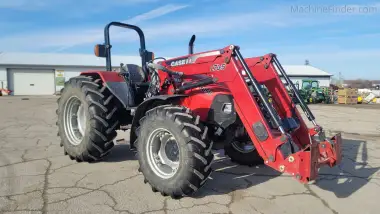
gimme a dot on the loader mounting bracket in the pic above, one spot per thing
(304, 165)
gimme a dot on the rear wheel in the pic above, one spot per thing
(87, 118)
(173, 150)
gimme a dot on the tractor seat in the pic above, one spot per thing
(139, 84)
(136, 73)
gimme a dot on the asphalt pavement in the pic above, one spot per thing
(36, 176)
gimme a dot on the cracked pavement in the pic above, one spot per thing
(36, 177)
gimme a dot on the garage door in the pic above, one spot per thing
(32, 82)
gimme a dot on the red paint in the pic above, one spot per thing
(106, 76)
(231, 81)
(304, 164)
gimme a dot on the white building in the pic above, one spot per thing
(300, 72)
(45, 73)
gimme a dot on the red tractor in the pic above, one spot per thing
(178, 110)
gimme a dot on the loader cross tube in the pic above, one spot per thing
(262, 96)
(108, 43)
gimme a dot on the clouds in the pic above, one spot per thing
(206, 26)
(160, 11)
(295, 35)
(214, 26)
(48, 4)
(24, 4)
(62, 39)
(67, 9)
(351, 63)
(92, 35)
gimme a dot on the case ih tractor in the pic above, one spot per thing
(178, 110)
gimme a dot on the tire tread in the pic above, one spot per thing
(102, 109)
(199, 145)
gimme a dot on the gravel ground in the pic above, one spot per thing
(36, 177)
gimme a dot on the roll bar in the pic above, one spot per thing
(145, 55)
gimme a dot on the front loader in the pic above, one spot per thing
(178, 110)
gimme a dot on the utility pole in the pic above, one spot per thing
(340, 79)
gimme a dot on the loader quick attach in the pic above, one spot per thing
(179, 109)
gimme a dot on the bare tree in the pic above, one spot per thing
(361, 83)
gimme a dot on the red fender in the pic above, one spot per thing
(106, 76)
(117, 85)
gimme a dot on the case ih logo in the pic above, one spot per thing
(181, 62)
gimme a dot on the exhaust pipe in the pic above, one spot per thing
(191, 44)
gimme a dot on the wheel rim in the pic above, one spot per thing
(163, 153)
(74, 120)
(243, 147)
(240, 141)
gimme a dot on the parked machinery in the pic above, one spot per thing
(311, 92)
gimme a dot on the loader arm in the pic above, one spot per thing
(277, 129)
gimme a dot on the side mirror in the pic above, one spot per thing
(149, 56)
(100, 50)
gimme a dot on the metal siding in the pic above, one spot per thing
(3, 78)
(304, 70)
(61, 60)
(323, 81)
(90, 60)
(32, 81)
(70, 72)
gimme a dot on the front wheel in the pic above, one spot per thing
(173, 150)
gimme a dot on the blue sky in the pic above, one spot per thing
(340, 37)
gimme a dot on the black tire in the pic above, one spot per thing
(194, 148)
(246, 158)
(101, 116)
